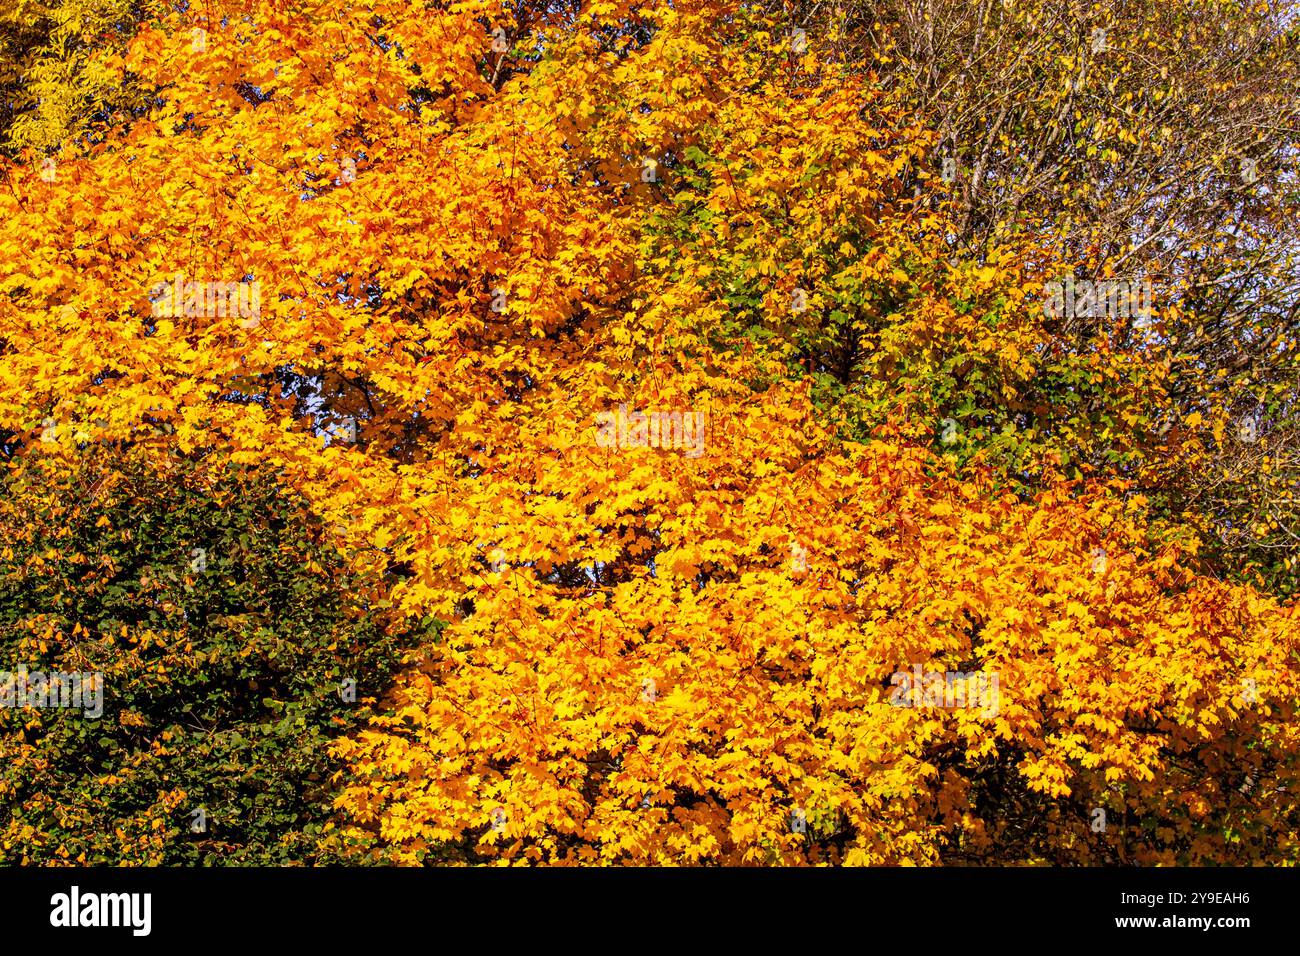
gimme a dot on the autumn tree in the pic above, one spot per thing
(1149, 141)
(638, 356)
(62, 68)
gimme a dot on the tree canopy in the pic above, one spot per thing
(653, 407)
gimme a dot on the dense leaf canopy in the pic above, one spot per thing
(632, 398)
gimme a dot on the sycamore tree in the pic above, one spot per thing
(738, 507)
